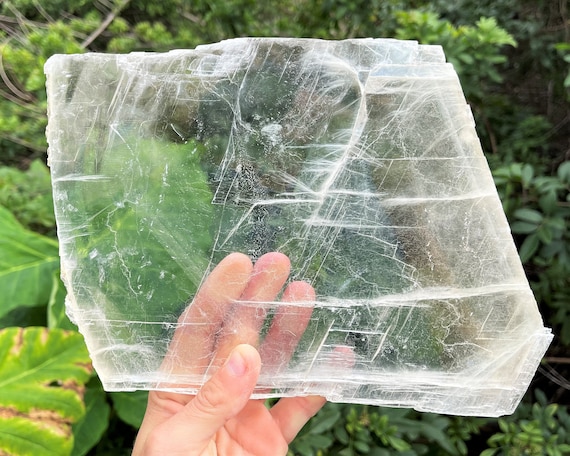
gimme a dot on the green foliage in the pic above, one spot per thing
(23, 120)
(352, 430)
(28, 196)
(134, 225)
(539, 429)
(538, 208)
(513, 59)
(130, 407)
(90, 428)
(42, 373)
(27, 262)
(564, 51)
(539, 26)
(56, 316)
(474, 51)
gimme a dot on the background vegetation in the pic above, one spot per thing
(513, 58)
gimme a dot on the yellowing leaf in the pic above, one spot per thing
(42, 377)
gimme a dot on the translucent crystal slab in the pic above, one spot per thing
(357, 159)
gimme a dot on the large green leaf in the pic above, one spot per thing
(89, 429)
(27, 263)
(56, 316)
(27, 194)
(42, 377)
(130, 406)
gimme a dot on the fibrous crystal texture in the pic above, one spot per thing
(357, 159)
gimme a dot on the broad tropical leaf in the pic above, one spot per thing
(89, 429)
(27, 261)
(42, 377)
(56, 316)
(130, 406)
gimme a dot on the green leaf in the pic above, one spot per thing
(42, 375)
(27, 194)
(27, 262)
(89, 429)
(557, 223)
(437, 435)
(130, 406)
(523, 227)
(326, 422)
(56, 316)
(527, 173)
(548, 203)
(564, 172)
(398, 444)
(362, 446)
(529, 215)
(529, 247)
(496, 439)
(320, 441)
(545, 234)
(341, 435)
(504, 426)
(24, 316)
(118, 230)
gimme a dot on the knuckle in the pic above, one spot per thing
(210, 398)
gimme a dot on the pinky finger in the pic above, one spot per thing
(292, 413)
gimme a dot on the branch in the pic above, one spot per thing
(557, 360)
(15, 90)
(110, 18)
(193, 18)
(23, 142)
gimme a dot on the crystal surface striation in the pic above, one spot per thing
(357, 159)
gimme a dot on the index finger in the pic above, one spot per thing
(192, 346)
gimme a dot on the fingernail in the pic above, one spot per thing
(236, 364)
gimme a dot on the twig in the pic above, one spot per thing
(557, 360)
(110, 18)
(193, 18)
(554, 376)
(24, 143)
(23, 104)
(43, 12)
(15, 90)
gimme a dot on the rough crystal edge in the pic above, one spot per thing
(508, 399)
(481, 399)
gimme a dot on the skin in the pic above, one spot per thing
(222, 419)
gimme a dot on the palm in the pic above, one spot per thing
(253, 432)
(170, 425)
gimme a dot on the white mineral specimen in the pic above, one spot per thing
(358, 159)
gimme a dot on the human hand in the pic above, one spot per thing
(222, 419)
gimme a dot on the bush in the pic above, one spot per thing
(513, 59)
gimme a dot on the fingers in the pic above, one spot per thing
(193, 343)
(292, 413)
(243, 324)
(224, 314)
(219, 400)
(287, 327)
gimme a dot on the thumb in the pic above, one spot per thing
(220, 399)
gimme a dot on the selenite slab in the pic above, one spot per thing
(358, 159)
